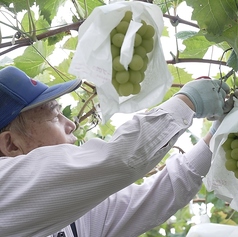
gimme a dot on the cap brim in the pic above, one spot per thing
(54, 92)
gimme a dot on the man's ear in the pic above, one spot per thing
(8, 146)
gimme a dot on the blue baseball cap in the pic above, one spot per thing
(19, 93)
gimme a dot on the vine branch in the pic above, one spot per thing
(195, 60)
(177, 19)
(28, 41)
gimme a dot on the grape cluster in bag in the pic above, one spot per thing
(230, 147)
(128, 82)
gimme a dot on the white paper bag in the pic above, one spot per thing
(93, 62)
(213, 230)
(219, 179)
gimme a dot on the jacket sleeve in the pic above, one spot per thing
(52, 186)
(139, 208)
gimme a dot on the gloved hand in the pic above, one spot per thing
(229, 104)
(207, 96)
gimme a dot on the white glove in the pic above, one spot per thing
(208, 97)
(215, 126)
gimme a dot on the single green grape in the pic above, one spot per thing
(117, 65)
(115, 51)
(227, 144)
(149, 32)
(115, 84)
(118, 39)
(136, 62)
(140, 51)
(146, 60)
(148, 44)
(138, 40)
(228, 154)
(136, 89)
(234, 144)
(232, 135)
(234, 154)
(122, 77)
(142, 29)
(114, 73)
(135, 77)
(230, 164)
(236, 173)
(127, 17)
(126, 89)
(122, 27)
(142, 76)
(113, 32)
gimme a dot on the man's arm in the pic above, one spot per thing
(139, 208)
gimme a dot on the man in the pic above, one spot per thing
(46, 182)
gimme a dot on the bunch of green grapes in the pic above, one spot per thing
(230, 147)
(128, 82)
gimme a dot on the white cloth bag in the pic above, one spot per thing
(213, 230)
(219, 179)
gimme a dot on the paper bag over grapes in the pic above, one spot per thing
(222, 177)
(119, 51)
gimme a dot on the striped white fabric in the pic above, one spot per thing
(50, 187)
(138, 208)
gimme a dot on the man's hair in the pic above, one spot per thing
(18, 124)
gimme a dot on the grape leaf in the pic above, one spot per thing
(45, 77)
(193, 138)
(229, 35)
(32, 60)
(56, 38)
(60, 72)
(165, 5)
(233, 61)
(105, 129)
(179, 74)
(71, 43)
(183, 35)
(50, 8)
(165, 32)
(196, 45)
(217, 19)
(89, 5)
(67, 112)
(214, 16)
(40, 24)
(18, 5)
(180, 77)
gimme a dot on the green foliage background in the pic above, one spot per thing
(212, 28)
